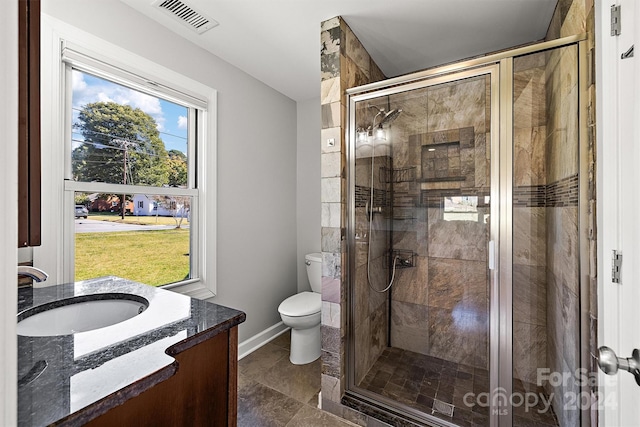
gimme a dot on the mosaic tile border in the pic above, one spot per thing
(563, 193)
(534, 196)
(363, 196)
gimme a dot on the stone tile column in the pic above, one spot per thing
(344, 64)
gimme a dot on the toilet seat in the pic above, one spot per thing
(302, 304)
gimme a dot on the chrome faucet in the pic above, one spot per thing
(35, 273)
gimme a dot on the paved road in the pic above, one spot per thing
(93, 226)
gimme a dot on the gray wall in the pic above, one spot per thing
(256, 158)
(308, 188)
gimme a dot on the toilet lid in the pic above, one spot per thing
(302, 304)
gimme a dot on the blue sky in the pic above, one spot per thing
(170, 117)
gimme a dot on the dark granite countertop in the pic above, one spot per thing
(71, 379)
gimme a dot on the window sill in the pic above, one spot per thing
(194, 289)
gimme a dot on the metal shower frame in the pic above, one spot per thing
(500, 321)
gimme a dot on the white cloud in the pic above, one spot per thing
(77, 82)
(103, 97)
(103, 91)
(182, 122)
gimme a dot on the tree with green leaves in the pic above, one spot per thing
(177, 166)
(82, 199)
(120, 144)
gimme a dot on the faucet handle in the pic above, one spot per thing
(35, 273)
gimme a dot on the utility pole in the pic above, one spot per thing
(125, 145)
(124, 181)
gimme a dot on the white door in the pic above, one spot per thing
(618, 159)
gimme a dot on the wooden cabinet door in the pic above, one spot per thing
(29, 124)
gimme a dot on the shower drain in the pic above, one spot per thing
(443, 408)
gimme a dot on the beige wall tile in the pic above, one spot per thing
(356, 52)
(529, 236)
(330, 190)
(562, 245)
(331, 214)
(458, 239)
(575, 21)
(330, 165)
(330, 91)
(330, 23)
(408, 329)
(530, 294)
(331, 115)
(331, 314)
(529, 166)
(529, 350)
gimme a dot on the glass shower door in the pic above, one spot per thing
(421, 223)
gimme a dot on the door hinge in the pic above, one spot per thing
(615, 20)
(616, 265)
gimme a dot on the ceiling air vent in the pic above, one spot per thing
(185, 14)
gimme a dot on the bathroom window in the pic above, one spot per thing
(466, 208)
(133, 147)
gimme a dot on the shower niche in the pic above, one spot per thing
(431, 284)
(448, 155)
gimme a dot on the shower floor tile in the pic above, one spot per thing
(418, 380)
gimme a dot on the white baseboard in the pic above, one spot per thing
(250, 345)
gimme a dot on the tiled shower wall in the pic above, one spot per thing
(546, 320)
(372, 237)
(344, 64)
(571, 17)
(529, 217)
(563, 302)
(440, 306)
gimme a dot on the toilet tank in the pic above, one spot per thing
(313, 262)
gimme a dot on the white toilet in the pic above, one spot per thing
(301, 312)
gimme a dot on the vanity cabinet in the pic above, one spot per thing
(175, 364)
(29, 186)
(203, 391)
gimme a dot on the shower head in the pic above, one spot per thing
(365, 132)
(390, 116)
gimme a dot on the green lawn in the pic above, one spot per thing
(152, 257)
(132, 219)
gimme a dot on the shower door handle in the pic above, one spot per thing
(609, 363)
(492, 255)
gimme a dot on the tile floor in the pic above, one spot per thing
(416, 380)
(274, 392)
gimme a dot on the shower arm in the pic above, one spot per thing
(373, 125)
(388, 117)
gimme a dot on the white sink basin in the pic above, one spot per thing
(79, 314)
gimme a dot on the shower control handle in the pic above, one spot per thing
(372, 210)
(609, 363)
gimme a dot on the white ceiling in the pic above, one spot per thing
(278, 41)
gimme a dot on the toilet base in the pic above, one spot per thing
(305, 345)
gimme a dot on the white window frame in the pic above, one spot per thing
(56, 253)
